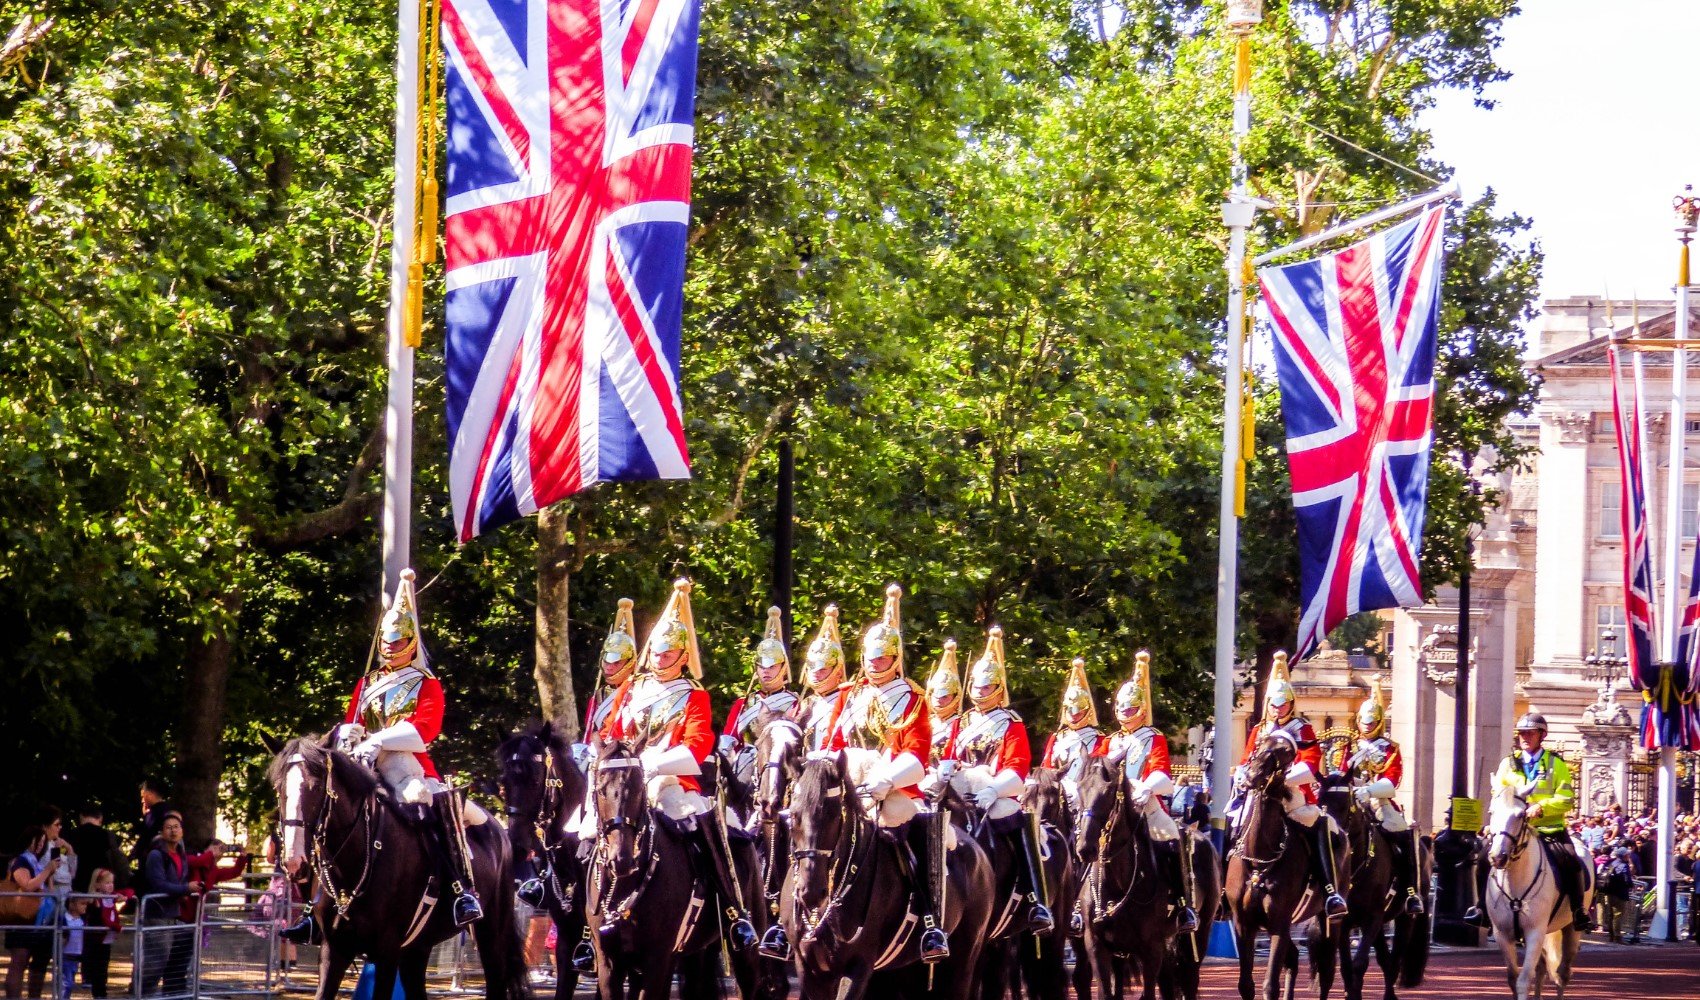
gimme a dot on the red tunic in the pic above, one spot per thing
(1048, 758)
(1012, 750)
(911, 734)
(1310, 751)
(427, 716)
(693, 728)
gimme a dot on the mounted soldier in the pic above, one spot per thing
(394, 714)
(1281, 718)
(1077, 738)
(1375, 766)
(944, 704)
(991, 751)
(619, 660)
(1543, 778)
(1144, 752)
(884, 712)
(823, 672)
(666, 711)
(771, 693)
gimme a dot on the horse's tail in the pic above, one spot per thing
(1413, 958)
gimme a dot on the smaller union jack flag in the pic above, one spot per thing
(1354, 352)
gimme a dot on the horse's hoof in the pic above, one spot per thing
(774, 944)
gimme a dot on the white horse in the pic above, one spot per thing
(1526, 901)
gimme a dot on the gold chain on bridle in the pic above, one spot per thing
(323, 867)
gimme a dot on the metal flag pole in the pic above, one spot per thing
(398, 410)
(1446, 192)
(1237, 213)
(1687, 212)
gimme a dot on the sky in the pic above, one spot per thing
(1590, 139)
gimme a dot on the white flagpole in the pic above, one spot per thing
(1445, 193)
(398, 411)
(1237, 214)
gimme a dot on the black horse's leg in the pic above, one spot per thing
(1082, 970)
(333, 965)
(1103, 967)
(411, 969)
(1274, 975)
(1387, 958)
(569, 929)
(1245, 940)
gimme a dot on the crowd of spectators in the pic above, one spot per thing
(1625, 851)
(82, 885)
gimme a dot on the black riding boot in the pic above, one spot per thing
(1405, 863)
(457, 859)
(1333, 904)
(1180, 884)
(1570, 871)
(706, 840)
(303, 931)
(924, 883)
(1031, 875)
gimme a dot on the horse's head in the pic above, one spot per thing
(1045, 797)
(622, 804)
(1267, 770)
(1336, 794)
(779, 760)
(824, 811)
(1103, 799)
(526, 764)
(1508, 824)
(300, 774)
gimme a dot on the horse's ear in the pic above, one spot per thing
(273, 745)
(548, 729)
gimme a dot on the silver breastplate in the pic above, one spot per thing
(390, 697)
(980, 740)
(653, 708)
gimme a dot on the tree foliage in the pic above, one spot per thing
(965, 254)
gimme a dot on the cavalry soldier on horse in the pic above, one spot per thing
(1077, 737)
(823, 672)
(944, 704)
(772, 683)
(991, 743)
(1376, 765)
(619, 660)
(394, 714)
(1546, 775)
(885, 712)
(1144, 753)
(667, 712)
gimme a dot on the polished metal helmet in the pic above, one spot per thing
(401, 625)
(771, 649)
(885, 637)
(944, 684)
(675, 630)
(1078, 709)
(826, 654)
(988, 681)
(621, 645)
(1372, 715)
(1281, 690)
(1135, 693)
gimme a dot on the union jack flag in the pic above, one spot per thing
(569, 176)
(1354, 352)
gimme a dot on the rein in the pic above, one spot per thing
(1095, 871)
(1519, 844)
(324, 866)
(840, 875)
(603, 861)
(1241, 847)
(548, 822)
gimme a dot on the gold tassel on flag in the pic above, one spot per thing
(425, 191)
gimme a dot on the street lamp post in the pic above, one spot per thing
(1456, 851)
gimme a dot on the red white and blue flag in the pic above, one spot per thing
(569, 179)
(1354, 336)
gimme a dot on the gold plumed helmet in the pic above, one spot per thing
(826, 653)
(771, 649)
(621, 644)
(1372, 714)
(945, 681)
(885, 637)
(1136, 691)
(990, 673)
(676, 629)
(1281, 690)
(401, 624)
(1077, 698)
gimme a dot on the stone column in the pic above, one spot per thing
(1608, 733)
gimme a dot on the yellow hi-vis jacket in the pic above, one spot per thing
(1551, 777)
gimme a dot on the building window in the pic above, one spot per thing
(1611, 511)
(1609, 629)
(1690, 495)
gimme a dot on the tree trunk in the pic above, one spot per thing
(200, 736)
(554, 669)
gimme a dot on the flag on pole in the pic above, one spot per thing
(569, 175)
(1354, 336)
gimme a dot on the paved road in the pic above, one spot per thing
(1603, 972)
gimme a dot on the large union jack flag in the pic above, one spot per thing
(569, 175)
(1354, 351)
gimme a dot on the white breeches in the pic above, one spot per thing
(1304, 813)
(667, 795)
(405, 777)
(1159, 822)
(1390, 818)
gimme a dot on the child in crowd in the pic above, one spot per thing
(72, 957)
(103, 924)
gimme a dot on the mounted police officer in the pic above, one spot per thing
(666, 712)
(1143, 751)
(1281, 718)
(991, 746)
(823, 673)
(1077, 738)
(396, 711)
(884, 711)
(1543, 778)
(944, 704)
(1375, 766)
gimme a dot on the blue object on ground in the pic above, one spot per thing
(1222, 943)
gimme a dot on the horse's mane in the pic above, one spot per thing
(357, 781)
(540, 732)
(820, 775)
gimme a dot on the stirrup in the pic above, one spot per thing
(530, 892)
(1188, 919)
(1334, 904)
(1475, 917)
(467, 909)
(303, 931)
(1039, 920)
(1076, 923)
(935, 947)
(775, 944)
(584, 958)
(1414, 903)
(741, 933)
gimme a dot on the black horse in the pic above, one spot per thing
(1039, 959)
(541, 788)
(649, 911)
(1269, 871)
(845, 902)
(1371, 904)
(1124, 898)
(1182, 964)
(375, 869)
